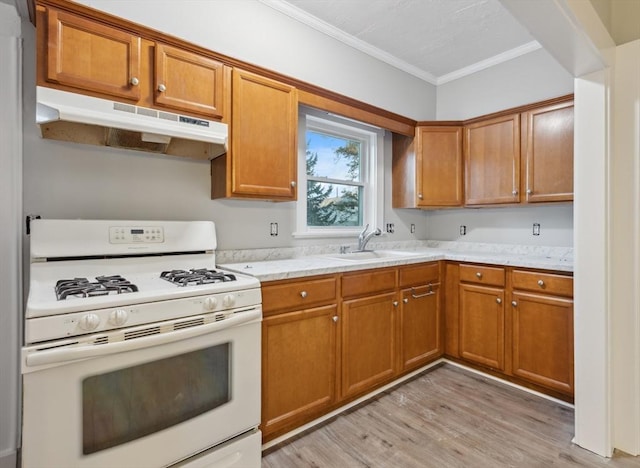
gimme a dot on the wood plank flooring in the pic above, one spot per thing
(446, 417)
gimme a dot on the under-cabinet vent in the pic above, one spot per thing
(104, 339)
(219, 317)
(188, 323)
(141, 333)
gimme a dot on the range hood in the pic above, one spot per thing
(85, 119)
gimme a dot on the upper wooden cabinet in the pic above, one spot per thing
(492, 161)
(188, 82)
(262, 161)
(548, 153)
(430, 176)
(90, 57)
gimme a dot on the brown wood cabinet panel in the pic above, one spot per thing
(91, 56)
(298, 367)
(188, 82)
(451, 309)
(543, 340)
(420, 326)
(368, 282)
(264, 128)
(439, 166)
(480, 274)
(422, 273)
(548, 152)
(299, 294)
(368, 342)
(482, 325)
(492, 161)
(543, 283)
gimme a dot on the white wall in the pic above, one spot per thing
(10, 247)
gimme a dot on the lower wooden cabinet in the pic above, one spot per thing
(368, 342)
(298, 366)
(482, 325)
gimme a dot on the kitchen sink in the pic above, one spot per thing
(370, 255)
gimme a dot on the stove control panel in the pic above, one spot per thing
(136, 235)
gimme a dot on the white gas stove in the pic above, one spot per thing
(148, 352)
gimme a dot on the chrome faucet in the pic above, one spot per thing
(364, 237)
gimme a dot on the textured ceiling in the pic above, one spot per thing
(436, 40)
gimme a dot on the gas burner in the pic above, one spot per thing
(196, 276)
(104, 285)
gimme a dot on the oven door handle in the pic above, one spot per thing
(89, 350)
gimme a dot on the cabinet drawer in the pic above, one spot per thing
(482, 275)
(543, 282)
(419, 274)
(298, 294)
(368, 282)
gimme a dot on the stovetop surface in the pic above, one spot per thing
(143, 272)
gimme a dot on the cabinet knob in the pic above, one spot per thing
(498, 300)
(529, 191)
(541, 283)
(162, 88)
(514, 303)
(293, 183)
(334, 318)
(514, 193)
(303, 294)
(420, 196)
(405, 300)
(395, 303)
(134, 81)
(479, 275)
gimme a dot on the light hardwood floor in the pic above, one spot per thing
(445, 417)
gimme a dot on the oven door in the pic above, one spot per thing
(147, 402)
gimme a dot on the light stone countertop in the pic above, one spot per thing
(277, 264)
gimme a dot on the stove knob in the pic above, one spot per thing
(210, 303)
(118, 317)
(89, 322)
(229, 300)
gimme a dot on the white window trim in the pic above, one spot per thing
(373, 165)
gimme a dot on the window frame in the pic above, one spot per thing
(372, 171)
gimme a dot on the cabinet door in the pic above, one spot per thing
(188, 82)
(543, 340)
(420, 326)
(298, 366)
(93, 57)
(549, 153)
(482, 325)
(439, 166)
(492, 161)
(263, 137)
(368, 327)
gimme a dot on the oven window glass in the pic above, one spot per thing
(130, 403)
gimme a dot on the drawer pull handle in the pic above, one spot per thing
(498, 300)
(334, 318)
(303, 294)
(479, 275)
(514, 303)
(541, 283)
(430, 292)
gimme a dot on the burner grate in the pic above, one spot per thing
(82, 287)
(196, 276)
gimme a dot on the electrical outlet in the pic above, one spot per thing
(536, 229)
(413, 228)
(463, 230)
(274, 229)
(391, 228)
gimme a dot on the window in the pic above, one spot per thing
(340, 175)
